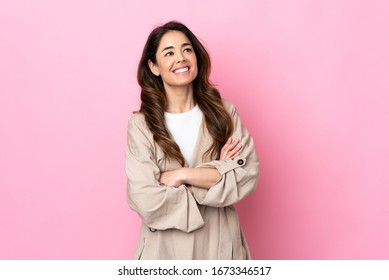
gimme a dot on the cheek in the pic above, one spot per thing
(196, 72)
(166, 65)
(196, 66)
(195, 62)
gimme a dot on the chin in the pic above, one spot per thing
(185, 82)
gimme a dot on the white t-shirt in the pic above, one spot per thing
(185, 129)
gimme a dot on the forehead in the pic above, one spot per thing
(173, 39)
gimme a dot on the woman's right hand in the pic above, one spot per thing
(230, 149)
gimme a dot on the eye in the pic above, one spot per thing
(188, 50)
(169, 54)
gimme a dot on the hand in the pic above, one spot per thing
(230, 149)
(173, 178)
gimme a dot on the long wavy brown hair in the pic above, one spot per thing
(154, 103)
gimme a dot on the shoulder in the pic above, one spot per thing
(137, 120)
(138, 132)
(137, 124)
(229, 106)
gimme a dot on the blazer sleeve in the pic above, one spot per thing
(239, 175)
(159, 207)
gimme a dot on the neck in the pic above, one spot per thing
(179, 99)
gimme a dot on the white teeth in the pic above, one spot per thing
(182, 70)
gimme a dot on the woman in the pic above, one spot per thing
(188, 158)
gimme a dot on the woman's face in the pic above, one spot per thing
(176, 60)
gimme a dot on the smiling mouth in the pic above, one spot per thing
(181, 70)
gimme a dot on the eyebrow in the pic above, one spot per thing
(171, 47)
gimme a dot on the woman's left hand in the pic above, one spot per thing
(230, 149)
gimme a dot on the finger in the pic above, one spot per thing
(225, 148)
(235, 150)
(237, 146)
(229, 140)
(228, 149)
(231, 146)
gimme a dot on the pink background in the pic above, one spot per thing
(310, 79)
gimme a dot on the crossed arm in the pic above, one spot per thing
(200, 177)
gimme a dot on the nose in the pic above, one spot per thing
(180, 57)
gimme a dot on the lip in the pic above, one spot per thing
(179, 68)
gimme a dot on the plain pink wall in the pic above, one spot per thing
(310, 79)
